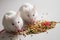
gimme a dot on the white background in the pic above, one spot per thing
(52, 7)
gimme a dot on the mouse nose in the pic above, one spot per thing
(32, 20)
(17, 29)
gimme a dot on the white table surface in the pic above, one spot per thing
(52, 7)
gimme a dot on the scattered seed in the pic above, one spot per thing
(31, 35)
(47, 32)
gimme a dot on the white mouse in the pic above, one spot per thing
(12, 21)
(29, 13)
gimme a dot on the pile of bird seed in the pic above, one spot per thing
(39, 27)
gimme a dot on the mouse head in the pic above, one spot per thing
(28, 12)
(12, 21)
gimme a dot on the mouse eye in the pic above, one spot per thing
(18, 22)
(12, 23)
(33, 15)
(28, 15)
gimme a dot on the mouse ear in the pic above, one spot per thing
(34, 7)
(9, 14)
(17, 13)
(25, 9)
(7, 17)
